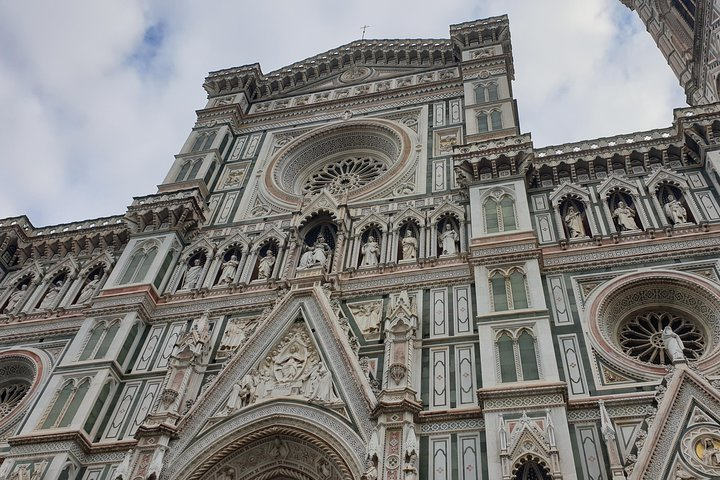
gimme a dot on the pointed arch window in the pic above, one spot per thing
(66, 403)
(517, 356)
(509, 290)
(100, 339)
(489, 121)
(139, 265)
(203, 141)
(487, 92)
(499, 214)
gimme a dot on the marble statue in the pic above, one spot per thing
(197, 338)
(371, 472)
(192, 275)
(574, 221)
(317, 255)
(674, 211)
(265, 266)
(323, 390)
(625, 217)
(448, 239)
(51, 295)
(89, 289)
(371, 253)
(15, 298)
(235, 334)
(409, 246)
(673, 344)
(229, 269)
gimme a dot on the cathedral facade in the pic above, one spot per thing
(358, 267)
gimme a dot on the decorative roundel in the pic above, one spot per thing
(355, 74)
(641, 336)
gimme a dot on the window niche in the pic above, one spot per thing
(408, 242)
(265, 266)
(319, 241)
(229, 273)
(674, 205)
(99, 339)
(574, 219)
(194, 270)
(517, 355)
(625, 216)
(140, 262)
(448, 228)
(370, 251)
(489, 121)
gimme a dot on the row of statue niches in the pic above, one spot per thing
(61, 290)
(316, 252)
(623, 212)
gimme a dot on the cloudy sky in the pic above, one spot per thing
(97, 96)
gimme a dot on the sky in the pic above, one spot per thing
(96, 97)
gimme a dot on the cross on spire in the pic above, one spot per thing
(364, 27)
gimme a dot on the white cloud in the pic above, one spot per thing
(87, 123)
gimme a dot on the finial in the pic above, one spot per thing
(364, 27)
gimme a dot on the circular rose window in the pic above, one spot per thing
(641, 337)
(344, 174)
(17, 375)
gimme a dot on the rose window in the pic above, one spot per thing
(641, 337)
(10, 397)
(344, 175)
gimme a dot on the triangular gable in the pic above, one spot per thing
(195, 433)
(270, 233)
(663, 175)
(68, 264)
(568, 189)
(689, 412)
(239, 238)
(323, 201)
(372, 218)
(410, 213)
(447, 207)
(612, 182)
(199, 244)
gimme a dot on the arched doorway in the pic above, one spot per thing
(277, 440)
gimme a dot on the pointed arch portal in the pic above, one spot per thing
(278, 440)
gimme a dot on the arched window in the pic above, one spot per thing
(489, 121)
(509, 290)
(139, 265)
(496, 120)
(203, 141)
(97, 408)
(517, 356)
(499, 214)
(101, 337)
(66, 403)
(486, 92)
(530, 470)
(506, 353)
(184, 170)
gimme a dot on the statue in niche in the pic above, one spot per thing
(51, 295)
(674, 211)
(673, 344)
(229, 269)
(409, 246)
(574, 221)
(625, 217)
(89, 289)
(192, 275)
(367, 316)
(265, 266)
(317, 255)
(16, 297)
(371, 253)
(448, 239)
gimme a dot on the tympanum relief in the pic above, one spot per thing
(293, 368)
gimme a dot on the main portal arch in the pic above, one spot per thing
(276, 441)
